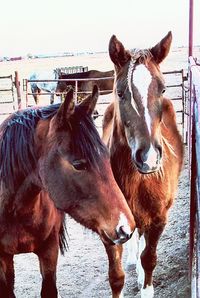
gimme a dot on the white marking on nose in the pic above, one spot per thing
(141, 79)
(152, 157)
(123, 222)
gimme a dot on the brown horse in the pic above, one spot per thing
(146, 153)
(85, 86)
(52, 161)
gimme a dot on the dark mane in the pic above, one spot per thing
(18, 156)
(141, 55)
(86, 74)
(86, 141)
(78, 75)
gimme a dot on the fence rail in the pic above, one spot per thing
(194, 166)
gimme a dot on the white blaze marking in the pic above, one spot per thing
(129, 79)
(123, 221)
(142, 79)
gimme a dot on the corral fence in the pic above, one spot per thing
(10, 95)
(64, 70)
(194, 166)
(177, 90)
(176, 83)
(176, 86)
(7, 91)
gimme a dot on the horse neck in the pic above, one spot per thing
(114, 131)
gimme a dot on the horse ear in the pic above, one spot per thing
(89, 103)
(161, 50)
(117, 52)
(66, 109)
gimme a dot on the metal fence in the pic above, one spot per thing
(176, 90)
(194, 167)
(7, 91)
(176, 83)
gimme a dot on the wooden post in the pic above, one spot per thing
(17, 85)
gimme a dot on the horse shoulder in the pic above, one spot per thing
(169, 118)
(169, 115)
(171, 133)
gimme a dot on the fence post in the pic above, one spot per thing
(17, 85)
(76, 90)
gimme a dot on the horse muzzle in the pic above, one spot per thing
(122, 235)
(148, 161)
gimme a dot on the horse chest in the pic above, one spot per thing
(16, 239)
(146, 197)
(23, 234)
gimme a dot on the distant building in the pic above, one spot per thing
(15, 58)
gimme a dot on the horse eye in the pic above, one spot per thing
(120, 94)
(80, 165)
(163, 91)
(127, 123)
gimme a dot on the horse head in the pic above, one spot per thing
(64, 86)
(138, 89)
(75, 170)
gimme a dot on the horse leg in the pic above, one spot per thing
(116, 273)
(52, 98)
(7, 277)
(148, 258)
(133, 249)
(48, 257)
(36, 95)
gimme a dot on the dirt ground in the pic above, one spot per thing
(82, 272)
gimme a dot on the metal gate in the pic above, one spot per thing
(194, 166)
(177, 91)
(7, 97)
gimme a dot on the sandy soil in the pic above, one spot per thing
(82, 272)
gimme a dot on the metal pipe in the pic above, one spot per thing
(190, 53)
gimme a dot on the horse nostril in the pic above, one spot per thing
(139, 156)
(124, 233)
(159, 149)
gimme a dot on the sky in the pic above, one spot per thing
(55, 26)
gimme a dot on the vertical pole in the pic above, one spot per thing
(190, 53)
(76, 90)
(17, 85)
(26, 81)
(193, 173)
(183, 106)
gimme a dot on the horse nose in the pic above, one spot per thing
(140, 156)
(148, 160)
(124, 233)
